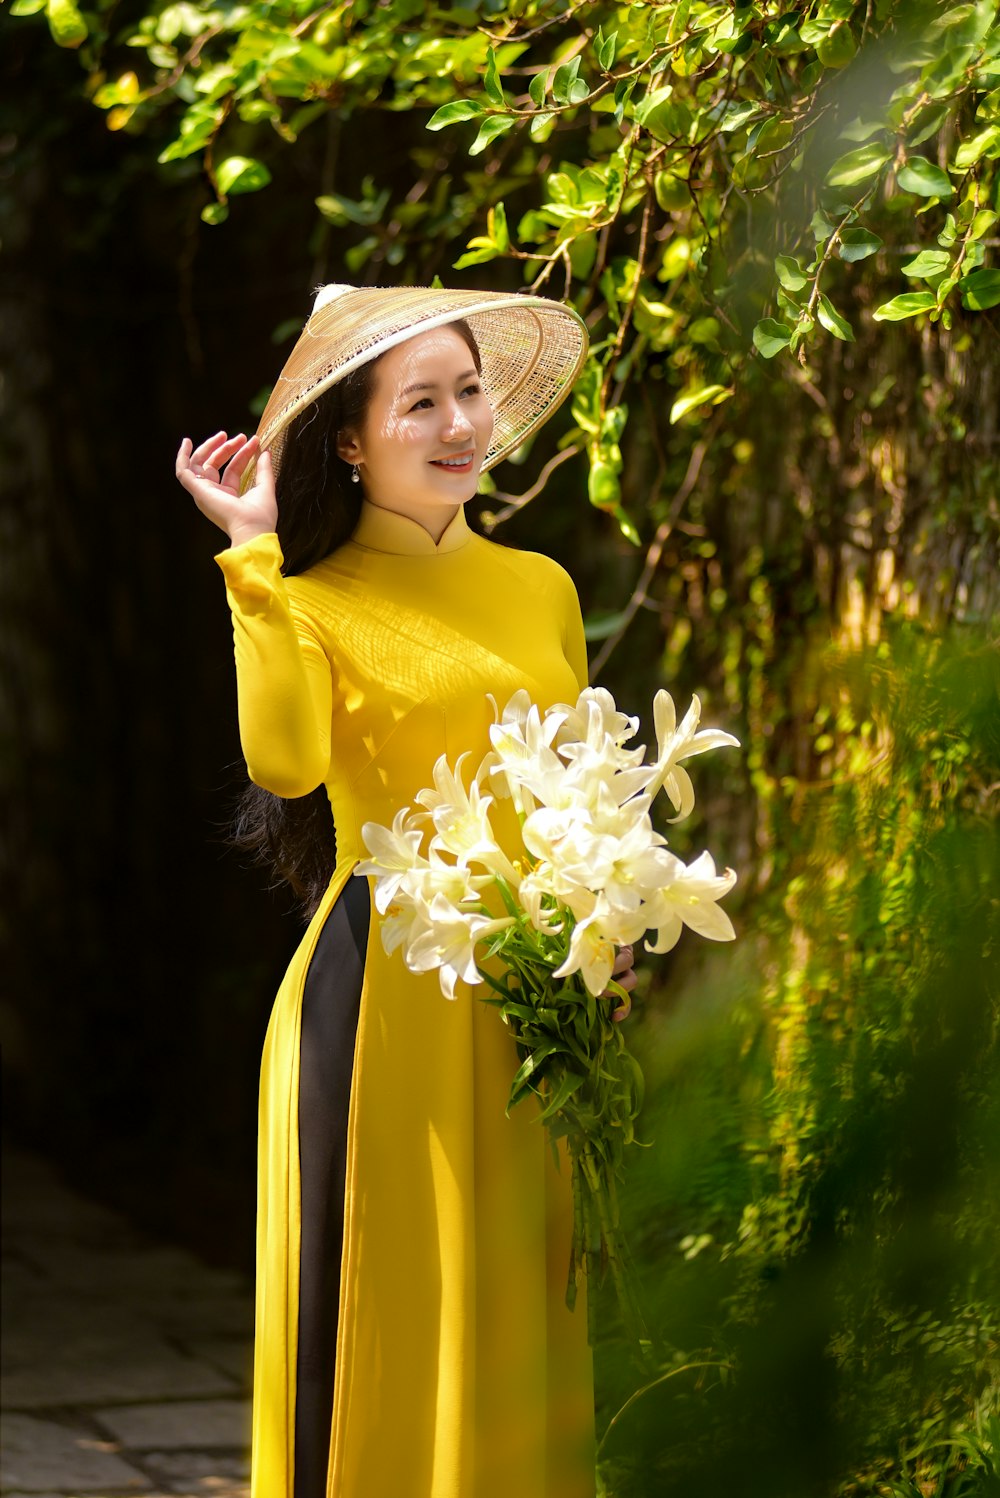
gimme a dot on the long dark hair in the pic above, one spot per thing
(318, 509)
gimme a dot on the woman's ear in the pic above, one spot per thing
(348, 447)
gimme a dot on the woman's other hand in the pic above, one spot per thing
(217, 494)
(623, 974)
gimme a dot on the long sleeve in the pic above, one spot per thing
(284, 679)
(574, 641)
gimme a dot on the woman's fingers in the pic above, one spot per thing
(623, 960)
(241, 455)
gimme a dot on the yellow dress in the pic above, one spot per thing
(459, 1371)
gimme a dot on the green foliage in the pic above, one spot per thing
(818, 1213)
(676, 140)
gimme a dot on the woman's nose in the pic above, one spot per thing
(457, 423)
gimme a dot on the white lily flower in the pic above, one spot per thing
(445, 938)
(596, 712)
(591, 952)
(397, 924)
(522, 746)
(536, 886)
(689, 900)
(455, 881)
(593, 745)
(395, 851)
(461, 820)
(675, 744)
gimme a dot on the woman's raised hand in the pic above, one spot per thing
(217, 494)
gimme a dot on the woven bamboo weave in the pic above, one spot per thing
(532, 350)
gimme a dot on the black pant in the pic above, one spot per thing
(330, 1002)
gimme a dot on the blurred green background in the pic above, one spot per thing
(776, 487)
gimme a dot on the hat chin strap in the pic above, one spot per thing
(326, 294)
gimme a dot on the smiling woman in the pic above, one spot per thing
(427, 429)
(411, 1333)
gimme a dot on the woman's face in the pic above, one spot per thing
(427, 428)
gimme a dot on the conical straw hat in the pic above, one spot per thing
(532, 351)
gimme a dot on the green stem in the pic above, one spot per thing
(602, 1190)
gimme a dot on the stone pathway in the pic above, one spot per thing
(125, 1365)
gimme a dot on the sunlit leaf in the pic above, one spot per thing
(238, 174)
(922, 177)
(493, 126)
(770, 337)
(980, 289)
(927, 263)
(692, 400)
(906, 305)
(858, 166)
(857, 244)
(451, 114)
(832, 321)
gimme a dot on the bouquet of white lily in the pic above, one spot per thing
(592, 874)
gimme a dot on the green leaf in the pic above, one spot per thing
(838, 47)
(927, 123)
(623, 93)
(694, 399)
(217, 213)
(26, 7)
(790, 273)
(491, 78)
(857, 244)
(499, 232)
(980, 289)
(66, 24)
(537, 88)
(450, 114)
(920, 176)
(821, 226)
(626, 526)
(858, 165)
(571, 1082)
(927, 263)
(603, 484)
(737, 113)
(542, 126)
(565, 77)
(906, 305)
(770, 337)
(238, 174)
(607, 51)
(982, 223)
(522, 1078)
(982, 144)
(672, 193)
(832, 320)
(476, 257)
(493, 126)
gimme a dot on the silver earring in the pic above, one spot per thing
(355, 475)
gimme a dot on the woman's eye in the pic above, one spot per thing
(424, 401)
(472, 390)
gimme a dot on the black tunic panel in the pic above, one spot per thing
(330, 1003)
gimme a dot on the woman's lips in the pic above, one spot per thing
(453, 465)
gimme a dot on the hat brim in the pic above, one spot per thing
(532, 351)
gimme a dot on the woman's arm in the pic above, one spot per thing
(284, 682)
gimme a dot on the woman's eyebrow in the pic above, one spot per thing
(466, 374)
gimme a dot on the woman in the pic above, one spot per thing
(411, 1337)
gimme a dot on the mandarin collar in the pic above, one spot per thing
(379, 529)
